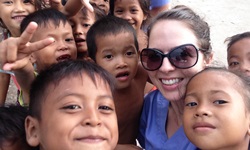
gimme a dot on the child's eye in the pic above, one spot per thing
(72, 24)
(72, 107)
(130, 53)
(105, 108)
(134, 10)
(8, 2)
(108, 56)
(69, 39)
(86, 25)
(191, 104)
(119, 11)
(107, 1)
(220, 102)
(28, 1)
(233, 64)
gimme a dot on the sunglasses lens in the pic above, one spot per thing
(151, 59)
(184, 56)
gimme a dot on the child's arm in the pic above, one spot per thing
(4, 80)
(71, 7)
(15, 54)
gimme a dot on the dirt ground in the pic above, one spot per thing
(225, 18)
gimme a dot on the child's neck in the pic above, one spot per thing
(14, 34)
(122, 90)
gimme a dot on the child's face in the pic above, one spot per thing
(215, 114)
(118, 55)
(80, 24)
(63, 48)
(12, 12)
(131, 11)
(239, 56)
(77, 114)
(102, 4)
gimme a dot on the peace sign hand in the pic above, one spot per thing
(15, 52)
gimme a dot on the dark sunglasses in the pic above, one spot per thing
(183, 57)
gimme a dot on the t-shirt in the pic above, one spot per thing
(158, 3)
(152, 133)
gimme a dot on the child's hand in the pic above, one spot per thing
(15, 52)
(56, 4)
(71, 7)
(87, 5)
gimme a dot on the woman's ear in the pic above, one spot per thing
(32, 131)
(208, 59)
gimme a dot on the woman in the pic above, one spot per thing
(179, 47)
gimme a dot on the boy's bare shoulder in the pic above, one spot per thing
(141, 76)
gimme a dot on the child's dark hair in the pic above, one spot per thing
(12, 128)
(233, 39)
(99, 13)
(44, 17)
(56, 73)
(196, 24)
(241, 81)
(108, 25)
(144, 4)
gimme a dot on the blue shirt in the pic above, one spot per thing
(152, 135)
(158, 3)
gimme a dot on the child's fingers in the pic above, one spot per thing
(3, 53)
(16, 65)
(40, 44)
(11, 49)
(56, 4)
(88, 5)
(27, 34)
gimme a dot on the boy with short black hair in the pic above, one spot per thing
(113, 45)
(238, 52)
(80, 24)
(50, 24)
(62, 116)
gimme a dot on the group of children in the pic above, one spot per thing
(47, 39)
(55, 58)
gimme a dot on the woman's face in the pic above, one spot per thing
(166, 35)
